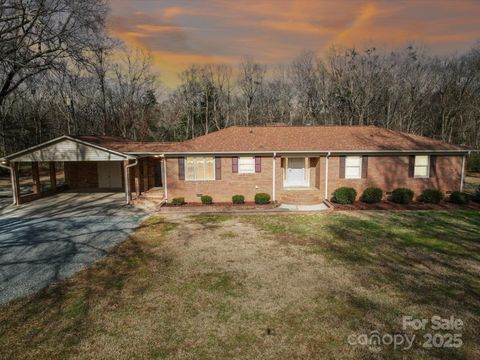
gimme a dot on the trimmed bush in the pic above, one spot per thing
(344, 195)
(372, 195)
(402, 196)
(206, 199)
(476, 195)
(262, 198)
(238, 199)
(460, 198)
(431, 196)
(178, 201)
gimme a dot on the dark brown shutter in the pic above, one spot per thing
(433, 166)
(342, 167)
(282, 162)
(181, 168)
(411, 166)
(218, 168)
(235, 164)
(258, 164)
(364, 167)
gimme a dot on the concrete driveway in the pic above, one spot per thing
(53, 238)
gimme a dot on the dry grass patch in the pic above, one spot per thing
(269, 287)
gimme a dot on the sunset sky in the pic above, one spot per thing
(179, 33)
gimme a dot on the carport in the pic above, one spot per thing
(88, 168)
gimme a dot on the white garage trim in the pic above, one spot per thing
(66, 148)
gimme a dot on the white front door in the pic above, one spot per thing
(109, 174)
(296, 175)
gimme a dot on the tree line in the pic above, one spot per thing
(60, 73)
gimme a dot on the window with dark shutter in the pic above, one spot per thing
(342, 167)
(181, 168)
(218, 168)
(364, 167)
(258, 164)
(235, 164)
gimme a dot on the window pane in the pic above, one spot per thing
(190, 168)
(352, 172)
(353, 160)
(421, 160)
(246, 165)
(421, 171)
(200, 168)
(210, 166)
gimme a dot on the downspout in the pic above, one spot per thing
(326, 174)
(273, 176)
(462, 179)
(165, 185)
(14, 185)
(127, 179)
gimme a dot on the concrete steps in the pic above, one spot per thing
(301, 197)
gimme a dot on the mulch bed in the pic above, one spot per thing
(388, 205)
(218, 206)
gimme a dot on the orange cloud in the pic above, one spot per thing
(274, 32)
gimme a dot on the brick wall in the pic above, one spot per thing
(81, 174)
(221, 190)
(391, 172)
(385, 172)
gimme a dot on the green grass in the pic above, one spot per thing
(269, 287)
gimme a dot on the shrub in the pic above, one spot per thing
(238, 199)
(431, 196)
(473, 163)
(344, 195)
(262, 198)
(178, 201)
(402, 196)
(206, 199)
(372, 195)
(476, 195)
(460, 198)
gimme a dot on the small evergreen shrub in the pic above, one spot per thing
(344, 195)
(206, 199)
(238, 199)
(431, 196)
(372, 195)
(262, 198)
(402, 196)
(460, 198)
(178, 201)
(476, 195)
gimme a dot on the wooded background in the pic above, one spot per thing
(60, 73)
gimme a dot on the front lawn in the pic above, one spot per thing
(260, 287)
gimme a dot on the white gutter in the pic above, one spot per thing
(326, 175)
(127, 180)
(14, 183)
(462, 178)
(310, 152)
(273, 175)
(165, 186)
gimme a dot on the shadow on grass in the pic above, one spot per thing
(55, 320)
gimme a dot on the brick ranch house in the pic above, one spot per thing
(294, 164)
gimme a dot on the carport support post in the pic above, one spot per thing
(53, 176)
(137, 180)
(36, 178)
(16, 184)
(145, 174)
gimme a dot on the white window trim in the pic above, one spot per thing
(204, 168)
(359, 167)
(252, 171)
(415, 168)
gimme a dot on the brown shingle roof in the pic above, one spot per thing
(310, 138)
(282, 138)
(125, 145)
